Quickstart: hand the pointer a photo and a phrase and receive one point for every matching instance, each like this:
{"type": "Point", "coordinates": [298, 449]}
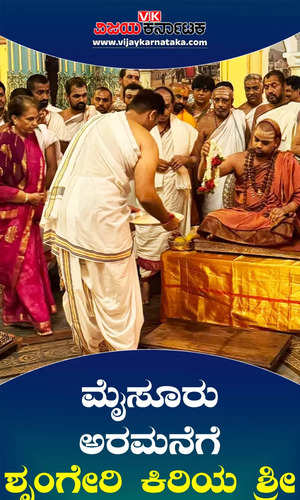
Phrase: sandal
{"type": "Point", "coordinates": [44, 334]}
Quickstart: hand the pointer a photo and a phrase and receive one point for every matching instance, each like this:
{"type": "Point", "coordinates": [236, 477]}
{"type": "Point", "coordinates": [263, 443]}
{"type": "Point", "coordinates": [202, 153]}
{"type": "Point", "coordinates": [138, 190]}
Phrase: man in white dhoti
{"type": "Point", "coordinates": [254, 91]}
{"type": "Point", "coordinates": [78, 112]}
{"type": "Point", "coordinates": [86, 220]}
{"type": "Point", "coordinates": [229, 130]}
{"type": "Point", "coordinates": [175, 140]}
{"type": "Point", "coordinates": [286, 114]}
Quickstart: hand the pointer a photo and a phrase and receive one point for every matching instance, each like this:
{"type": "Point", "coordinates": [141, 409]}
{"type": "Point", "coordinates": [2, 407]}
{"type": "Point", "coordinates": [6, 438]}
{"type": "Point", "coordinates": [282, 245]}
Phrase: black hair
{"type": "Point", "coordinates": [166, 89]}
{"type": "Point", "coordinates": [20, 91]}
{"type": "Point", "coordinates": [2, 86]}
{"type": "Point", "coordinates": [33, 79]}
{"type": "Point", "coordinates": [147, 100]}
{"type": "Point", "coordinates": [123, 72]}
{"type": "Point", "coordinates": [293, 81]}
{"type": "Point", "coordinates": [18, 105]}
{"type": "Point", "coordinates": [104, 89]}
{"type": "Point", "coordinates": [132, 86]}
{"type": "Point", "coordinates": [76, 81]}
{"type": "Point", "coordinates": [275, 72]}
{"type": "Point", "coordinates": [225, 84]}
{"type": "Point", "coordinates": [203, 82]}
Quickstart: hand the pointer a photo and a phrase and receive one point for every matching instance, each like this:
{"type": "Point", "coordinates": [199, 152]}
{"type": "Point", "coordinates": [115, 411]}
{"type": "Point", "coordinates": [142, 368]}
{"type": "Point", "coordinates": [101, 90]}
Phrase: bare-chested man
{"type": "Point", "coordinates": [229, 130]}
{"type": "Point", "coordinates": [254, 91]}
{"type": "Point", "coordinates": [273, 86]}
{"type": "Point", "coordinates": [286, 114]}
{"type": "Point", "coordinates": [267, 193]}
{"type": "Point", "coordinates": [87, 219]}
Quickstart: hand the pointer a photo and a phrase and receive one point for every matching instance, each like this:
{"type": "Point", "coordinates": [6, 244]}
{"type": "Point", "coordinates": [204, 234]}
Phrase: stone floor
{"type": "Point", "coordinates": [37, 351]}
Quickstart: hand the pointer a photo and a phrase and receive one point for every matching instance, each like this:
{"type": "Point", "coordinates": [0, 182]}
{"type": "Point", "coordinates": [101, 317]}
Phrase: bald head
{"type": "Point", "coordinates": [222, 100]}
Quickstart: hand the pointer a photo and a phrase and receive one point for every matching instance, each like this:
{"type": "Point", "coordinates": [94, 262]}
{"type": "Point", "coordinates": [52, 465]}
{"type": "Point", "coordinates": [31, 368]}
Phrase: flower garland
{"type": "Point", "coordinates": [212, 173]}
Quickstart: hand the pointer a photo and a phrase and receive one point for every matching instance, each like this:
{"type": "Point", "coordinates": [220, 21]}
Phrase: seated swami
{"type": "Point", "coordinates": [267, 193]}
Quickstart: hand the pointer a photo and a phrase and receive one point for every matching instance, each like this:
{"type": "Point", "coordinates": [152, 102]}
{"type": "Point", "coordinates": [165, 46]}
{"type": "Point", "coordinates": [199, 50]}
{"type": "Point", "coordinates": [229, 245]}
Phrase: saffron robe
{"type": "Point", "coordinates": [253, 226]}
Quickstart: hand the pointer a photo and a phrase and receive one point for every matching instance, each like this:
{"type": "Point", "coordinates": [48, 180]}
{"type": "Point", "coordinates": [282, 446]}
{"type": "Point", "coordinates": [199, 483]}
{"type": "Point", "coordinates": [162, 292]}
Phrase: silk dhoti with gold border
{"type": "Point", "coordinates": [231, 290]}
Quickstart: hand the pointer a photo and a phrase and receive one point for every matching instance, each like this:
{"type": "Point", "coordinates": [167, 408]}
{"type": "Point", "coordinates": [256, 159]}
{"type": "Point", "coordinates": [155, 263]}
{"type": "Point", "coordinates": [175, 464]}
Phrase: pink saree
{"type": "Point", "coordinates": [27, 295]}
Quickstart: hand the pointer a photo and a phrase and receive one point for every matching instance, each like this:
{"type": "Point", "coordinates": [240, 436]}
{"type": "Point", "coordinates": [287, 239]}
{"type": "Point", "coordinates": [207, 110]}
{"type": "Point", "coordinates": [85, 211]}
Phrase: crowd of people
{"type": "Point", "coordinates": [75, 176]}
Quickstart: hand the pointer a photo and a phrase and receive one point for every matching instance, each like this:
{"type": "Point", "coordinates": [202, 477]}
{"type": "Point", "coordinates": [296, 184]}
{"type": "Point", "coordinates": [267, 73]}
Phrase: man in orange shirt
{"type": "Point", "coordinates": [181, 94]}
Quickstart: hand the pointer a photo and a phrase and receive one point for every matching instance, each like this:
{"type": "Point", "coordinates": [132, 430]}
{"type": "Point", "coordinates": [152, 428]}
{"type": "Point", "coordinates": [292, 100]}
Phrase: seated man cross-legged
{"type": "Point", "coordinates": [267, 193]}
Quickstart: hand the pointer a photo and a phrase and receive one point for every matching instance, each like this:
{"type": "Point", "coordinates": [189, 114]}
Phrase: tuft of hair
{"type": "Point", "coordinates": [104, 89]}
{"type": "Point", "coordinates": [147, 100]}
{"type": "Point", "coordinates": [2, 86]}
{"type": "Point", "coordinates": [166, 89]}
{"type": "Point", "coordinates": [253, 76]}
{"type": "Point", "coordinates": [293, 81]}
{"type": "Point", "coordinates": [133, 86]}
{"type": "Point", "coordinates": [33, 79]}
{"type": "Point", "coordinates": [18, 105]}
{"type": "Point", "coordinates": [203, 82]}
{"type": "Point", "coordinates": [269, 125]}
{"type": "Point", "coordinates": [123, 72]}
{"type": "Point", "coordinates": [225, 84]}
{"type": "Point", "coordinates": [76, 81]}
{"type": "Point", "coordinates": [275, 72]}
{"type": "Point", "coordinates": [20, 91]}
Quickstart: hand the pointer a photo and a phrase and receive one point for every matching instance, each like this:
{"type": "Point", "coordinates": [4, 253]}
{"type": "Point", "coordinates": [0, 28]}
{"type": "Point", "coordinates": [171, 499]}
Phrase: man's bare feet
{"type": "Point", "coordinates": [145, 286]}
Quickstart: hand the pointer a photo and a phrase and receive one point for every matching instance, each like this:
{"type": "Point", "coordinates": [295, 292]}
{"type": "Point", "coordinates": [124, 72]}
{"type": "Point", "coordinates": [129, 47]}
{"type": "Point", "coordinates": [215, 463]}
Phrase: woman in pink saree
{"type": "Point", "coordinates": [27, 295]}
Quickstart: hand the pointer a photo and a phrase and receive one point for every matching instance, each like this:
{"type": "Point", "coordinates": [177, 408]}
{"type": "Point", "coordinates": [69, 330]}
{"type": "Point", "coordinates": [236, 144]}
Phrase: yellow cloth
{"type": "Point", "coordinates": [229, 290]}
{"type": "Point", "coordinates": [185, 116]}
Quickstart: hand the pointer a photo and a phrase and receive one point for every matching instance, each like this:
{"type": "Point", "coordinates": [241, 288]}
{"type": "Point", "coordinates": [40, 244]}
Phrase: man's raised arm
{"type": "Point", "coordinates": [226, 167]}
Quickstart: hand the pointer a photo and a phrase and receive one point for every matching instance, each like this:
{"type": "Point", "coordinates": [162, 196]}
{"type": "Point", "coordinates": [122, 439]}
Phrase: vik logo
{"type": "Point", "coordinates": [149, 16]}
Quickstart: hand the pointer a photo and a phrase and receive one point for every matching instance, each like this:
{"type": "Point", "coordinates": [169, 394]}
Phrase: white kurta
{"type": "Point", "coordinates": [86, 220]}
{"type": "Point", "coordinates": [173, 187]}
{"type": "Point", "coordinates": [230, 137]}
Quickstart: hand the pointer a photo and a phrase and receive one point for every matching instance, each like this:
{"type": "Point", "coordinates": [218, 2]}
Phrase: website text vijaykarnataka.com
{"type": "Point", "coordinates": [141, 43]}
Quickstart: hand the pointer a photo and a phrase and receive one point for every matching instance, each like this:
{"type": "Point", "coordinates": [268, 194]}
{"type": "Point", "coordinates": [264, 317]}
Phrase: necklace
{"type": "Point", "coordinates": [250, 179]}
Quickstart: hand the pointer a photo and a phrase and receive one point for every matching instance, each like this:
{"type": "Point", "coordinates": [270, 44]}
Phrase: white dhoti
{"type": "Point", "coordinates": [86, 220]}
{"type": "Point", "coordinates": [174, 189]}
{"type": "Point", "coordinates": [230, 137]}
{"type": "Point", "coordinates": [102, 320]}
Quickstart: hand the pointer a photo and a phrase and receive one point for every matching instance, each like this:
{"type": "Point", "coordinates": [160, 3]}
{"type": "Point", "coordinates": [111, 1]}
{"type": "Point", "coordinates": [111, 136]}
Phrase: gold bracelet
{"type": "Point", "coordinates": [26, 198]}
